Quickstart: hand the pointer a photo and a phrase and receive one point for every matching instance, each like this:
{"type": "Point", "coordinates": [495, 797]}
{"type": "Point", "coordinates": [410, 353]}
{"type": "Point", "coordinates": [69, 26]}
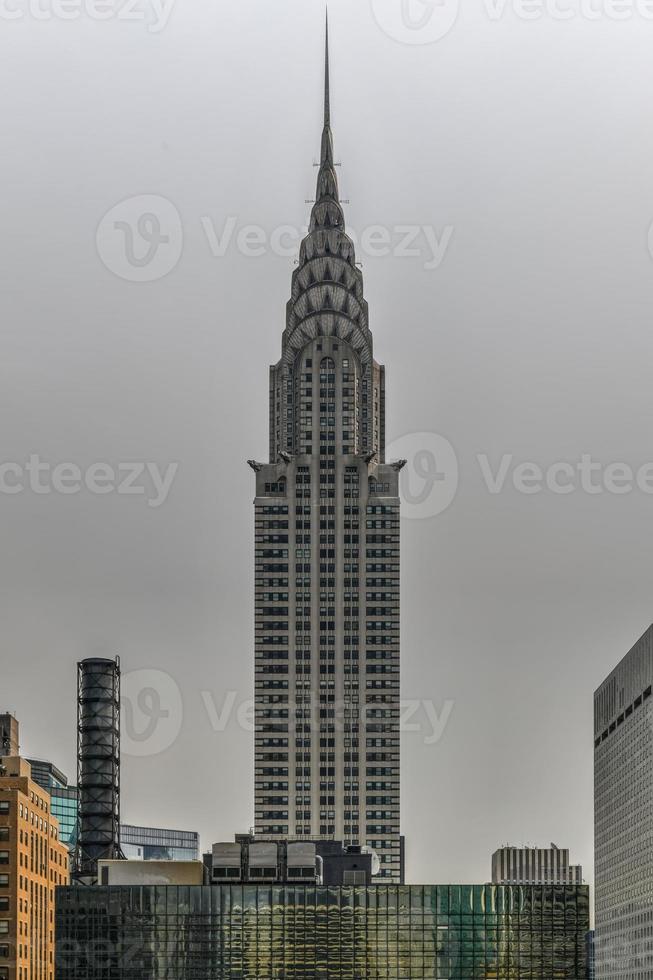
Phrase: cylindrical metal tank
{"type": "Point", "coordinates": [98, 763]}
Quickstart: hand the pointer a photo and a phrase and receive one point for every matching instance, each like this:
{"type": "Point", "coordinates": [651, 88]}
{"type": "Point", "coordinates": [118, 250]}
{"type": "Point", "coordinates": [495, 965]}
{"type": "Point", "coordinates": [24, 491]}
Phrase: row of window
{"type": "Point", "coordinates": [282, 509]}
{"type": "Point", "coordinates": [277, 488]}
{"type": "Point", "coordinates": [637, 703]}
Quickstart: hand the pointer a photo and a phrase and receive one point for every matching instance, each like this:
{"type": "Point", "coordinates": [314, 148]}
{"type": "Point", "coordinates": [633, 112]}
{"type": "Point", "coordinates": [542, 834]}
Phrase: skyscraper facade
{"type": "Point", "coordinates": [623, 817]}
{"type": "Point", "coordinates": [327, 560]}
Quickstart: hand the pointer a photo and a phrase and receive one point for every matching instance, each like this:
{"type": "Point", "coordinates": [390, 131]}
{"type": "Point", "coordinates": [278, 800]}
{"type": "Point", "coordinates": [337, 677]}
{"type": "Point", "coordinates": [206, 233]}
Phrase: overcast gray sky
{"type": "Point", "coordinates": [523, 145]}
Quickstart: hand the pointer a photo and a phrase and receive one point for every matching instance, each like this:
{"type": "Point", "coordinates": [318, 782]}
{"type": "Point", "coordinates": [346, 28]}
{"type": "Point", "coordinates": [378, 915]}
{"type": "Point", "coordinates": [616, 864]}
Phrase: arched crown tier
{"type": "Point", "coordinates": [327, 301]}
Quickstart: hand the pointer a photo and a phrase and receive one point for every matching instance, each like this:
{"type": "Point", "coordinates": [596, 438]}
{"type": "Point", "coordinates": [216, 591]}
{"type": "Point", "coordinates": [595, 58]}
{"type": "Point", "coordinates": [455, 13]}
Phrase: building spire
{"type": "Point", "coordinates": [327, 211]}
{"type": "Point", "coordinates": [327, 94]}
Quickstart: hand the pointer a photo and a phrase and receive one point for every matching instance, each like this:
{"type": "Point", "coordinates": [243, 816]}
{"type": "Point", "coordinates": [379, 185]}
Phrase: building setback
{"type": "Point", "coordinates": [623, 817]}
{"type": "Point", "coordinates": [382, 932]}
{"type": "Point", "coordinates": [327, 561]}
{"type": "Point", "coordinates": [534, 866]}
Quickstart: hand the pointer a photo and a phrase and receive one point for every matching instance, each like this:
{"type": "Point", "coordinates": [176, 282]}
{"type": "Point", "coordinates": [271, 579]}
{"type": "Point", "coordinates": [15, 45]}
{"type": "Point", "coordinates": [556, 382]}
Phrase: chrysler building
{"type": "Point", "coordinates": [327, 560]}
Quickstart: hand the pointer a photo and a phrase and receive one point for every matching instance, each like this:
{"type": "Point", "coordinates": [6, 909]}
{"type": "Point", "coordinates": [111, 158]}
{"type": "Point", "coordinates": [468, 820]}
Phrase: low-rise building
{"type": "Point", "coordinates": [150, 873]}
{"type": "Point", "coordinates": [307, 931]}
{"type": "Point", "coordinates": [534, 866]}
{"type": "Point", "coordinates": [33, 863]}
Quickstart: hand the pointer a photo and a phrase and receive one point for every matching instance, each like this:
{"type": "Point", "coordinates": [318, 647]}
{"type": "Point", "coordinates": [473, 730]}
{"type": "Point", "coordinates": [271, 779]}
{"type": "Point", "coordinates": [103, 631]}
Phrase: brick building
{"type": "Point", "coordinates": [33, 861]}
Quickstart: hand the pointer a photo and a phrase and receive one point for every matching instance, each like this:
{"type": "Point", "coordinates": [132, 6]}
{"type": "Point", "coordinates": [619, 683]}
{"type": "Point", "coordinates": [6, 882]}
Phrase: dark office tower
{"type": "Point", "coordinates": [591, 964]}
{"type": "Point", "coordinates": [9, 735]}
{"type": "Point", "coordinates": [98, 763]}
{"type": "Point", "coordinates": [623, 817]}
{"type": "Point", "coordinates": [327, 560]}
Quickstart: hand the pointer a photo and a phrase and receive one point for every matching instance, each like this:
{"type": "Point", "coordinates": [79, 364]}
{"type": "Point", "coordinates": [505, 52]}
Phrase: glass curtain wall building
{"type": "Point", "coordinates": [64, 808]}
{"type": "Point", "coordinates": [157, 844]}
{"type": "Point", "coordinates": [382, 932]}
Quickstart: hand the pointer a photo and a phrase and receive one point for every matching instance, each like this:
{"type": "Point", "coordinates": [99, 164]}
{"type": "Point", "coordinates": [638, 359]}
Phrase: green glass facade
{"type": "Point", "coordinates": [63, 798]}
{"type": "Point", "coordinates": [64, 807]}
{"type": "Point", "coordinates": [382, 932]}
